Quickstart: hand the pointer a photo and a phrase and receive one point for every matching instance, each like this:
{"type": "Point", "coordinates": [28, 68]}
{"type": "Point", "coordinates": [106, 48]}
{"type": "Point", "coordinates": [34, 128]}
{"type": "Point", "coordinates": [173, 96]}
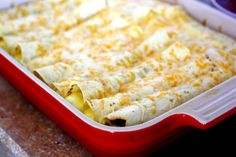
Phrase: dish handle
{"type": "Point", "coordinates": [211, 107]}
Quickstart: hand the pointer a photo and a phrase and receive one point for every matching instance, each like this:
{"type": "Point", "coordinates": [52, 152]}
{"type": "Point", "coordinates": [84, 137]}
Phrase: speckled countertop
{"type": "Point", "coordinates": [8, 147]}
{"type": "Point", "coordinates": [32, 130]}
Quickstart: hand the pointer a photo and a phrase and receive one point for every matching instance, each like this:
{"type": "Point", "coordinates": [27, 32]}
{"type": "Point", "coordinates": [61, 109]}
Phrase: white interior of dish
{"type": "Point", "coordinates": [210, 16]}
{"type": "Point", "coordinates": [205, 107]}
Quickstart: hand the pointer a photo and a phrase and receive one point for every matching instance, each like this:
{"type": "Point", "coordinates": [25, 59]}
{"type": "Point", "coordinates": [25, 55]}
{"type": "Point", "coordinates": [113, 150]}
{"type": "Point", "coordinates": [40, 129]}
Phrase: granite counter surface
{"type": "Point", "coordinates": [31, 129]}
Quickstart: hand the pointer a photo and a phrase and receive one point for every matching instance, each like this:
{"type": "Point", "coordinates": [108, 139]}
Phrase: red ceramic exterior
{"type": "Point", "coordinates": [98, 141]}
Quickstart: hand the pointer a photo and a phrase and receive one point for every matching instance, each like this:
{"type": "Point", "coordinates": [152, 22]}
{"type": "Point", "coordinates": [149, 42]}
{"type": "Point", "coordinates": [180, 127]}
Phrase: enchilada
{"type": "Point", "coordinates": [167, 59]}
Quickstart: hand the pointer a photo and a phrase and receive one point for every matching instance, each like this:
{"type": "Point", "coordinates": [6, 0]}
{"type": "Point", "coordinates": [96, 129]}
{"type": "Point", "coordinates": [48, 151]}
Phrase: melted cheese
{"type": "Point", "coordinates": [118, 60]}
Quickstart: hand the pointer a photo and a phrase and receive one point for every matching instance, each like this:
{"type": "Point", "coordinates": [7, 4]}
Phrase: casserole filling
{"type": "Point", "coordinates": [119, 62]}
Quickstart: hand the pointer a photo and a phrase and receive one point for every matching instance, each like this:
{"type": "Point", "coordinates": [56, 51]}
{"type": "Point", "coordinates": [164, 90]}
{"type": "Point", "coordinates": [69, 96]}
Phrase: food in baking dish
{"type": "Point", "coordinates": [119, 62]}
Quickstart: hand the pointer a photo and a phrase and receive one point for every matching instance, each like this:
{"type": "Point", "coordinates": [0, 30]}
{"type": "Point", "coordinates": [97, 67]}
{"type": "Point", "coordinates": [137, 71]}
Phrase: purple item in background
{"type": "Point", "coordinates": [227, 6]}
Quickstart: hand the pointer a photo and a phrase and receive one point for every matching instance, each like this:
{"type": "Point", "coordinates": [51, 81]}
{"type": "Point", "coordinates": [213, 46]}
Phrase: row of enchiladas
{"type": "Point", "coordinates": [119, 62]}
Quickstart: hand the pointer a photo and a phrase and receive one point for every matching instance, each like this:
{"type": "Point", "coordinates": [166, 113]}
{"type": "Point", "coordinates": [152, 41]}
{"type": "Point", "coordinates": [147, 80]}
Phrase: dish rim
{"type": "Point", "coordinates": [224, 10]}
{"type": "Point", "coordinates": [84, 118]}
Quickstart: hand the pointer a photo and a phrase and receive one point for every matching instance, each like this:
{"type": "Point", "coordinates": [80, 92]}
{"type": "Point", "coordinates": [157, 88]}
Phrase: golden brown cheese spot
{"type": "Point", "coordinates": [162, 94]}
{"type": "Point", "coordinates": [169, 78]}
{"type": "Point", "coordinates": [57, 29]}
{"type": "Point", "coordinates": [201, 64]}
{"type": "Point", "coordinates": [12, 16]}
{"type": "Point", "coordinates": [108, 45]}
{"type": "Point", "coordinates": [109, 68]}
{"type": "Point", "coordinates": [22, 28]}
{"type": "Point", "coordinates": [153, 111]}
{"type": "Point", "coordinates": [178, 95]}
{"type": "Point", "coordinates": [25, 12]}
{"type": "Point", "coordinates": [210, 85]}
{"type": "Point", "coordinates": [102, 104]}
{"type": "Point", "coordinates": [158, 58]}
{"type": "Point", "coordinates": [119, 63]}
{"type": "Point", "coordinates": [128, 60]}
{"type": "Point", "coordinates": [125, 101]}
{"type": "Point", "coordinates": [149, 18]}
{"type": "Point", "coordinates": [197, 84]}
{"type": "Point", "coordinates": [57, 56]}
{"type": "Point", "coordinates": [58, 46]}
{"type": "Point", "coordinates": [146, 48]}
{"type": "Point", "coordinates": [223, 65]}
{"type": "Point", "coordinates": [132, 76]}
{"type": "Point", "coordinates": [109, 90]}
{"type": "Point", "coordinates": [92, 72]}
{"type": "Point", "coordinates": [136, 31]}
{"type": "Point", "coordinates": [137, 57]}
{"type": "Point", "coordinates": [172, 34]}
{"type": "Point", "coordinates": [170, 63]}
{"type": "Point", "coordinates": [101, 94]}
{"type": "Point", "coordinates": [216, 79]}
{"type": "Point", "coordinates": [119, 82]}
{"type": "Point", "coordinates": [172, 53]}
{"type": "Point", "coordinates": [42, 21]}
{"type": "Point", "coordinates": [151, 98]}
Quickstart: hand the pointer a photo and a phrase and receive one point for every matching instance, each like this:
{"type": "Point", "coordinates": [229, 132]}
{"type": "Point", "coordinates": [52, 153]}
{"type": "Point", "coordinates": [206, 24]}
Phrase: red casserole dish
{"type": "Point", "coordinates": [201, 112]}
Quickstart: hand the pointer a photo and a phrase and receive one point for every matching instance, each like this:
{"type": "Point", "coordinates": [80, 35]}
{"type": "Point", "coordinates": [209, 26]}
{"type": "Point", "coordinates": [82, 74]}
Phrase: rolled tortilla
{"type": "Point", "coordinates": [62, 20]}
{"type": "Point", "coordinates": [114, 83]}
{"type": "Point", "coordinates": [54, 72]}
{"type": "Point", "coordinates": [153, 83]}
{"type": "Point", "coordinates": [90, 7]}
{"type": "Point", "coordinates": [70, 37]}
{"type": "Point", "coordinates": [14, 44]}
{"type": "Point", "coordinates": [34, 8]}
{"type": "Point", "coordinates": [99, 88]}
{"type": "Point", "coordinates": [46, 50]}
{"type": "Point", "coordinates": [9, 43]}
{"type": "Point", "coordinates": [65, 87]}
{"type": "Point", "coordinates": [160, 102]}
{"type": "Point", "coordinates": [177, 51]}
{"type": "Point", "coordinates": [29, 50]}
{"type": "Point", "coordinates": [128, 59]}
{"type": "Point", "coordinates": [73, 65]}
{"type": "Point", "coordinates": [224, 59]}
{"type": "Point", "coordinates": [109, 85]}
{"type": "Point", "coordinates": [39, 62]}
{"type": "Point", "coordinates": [155, 43]}
{"type": "Point", "coordinates": [106, 86]}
